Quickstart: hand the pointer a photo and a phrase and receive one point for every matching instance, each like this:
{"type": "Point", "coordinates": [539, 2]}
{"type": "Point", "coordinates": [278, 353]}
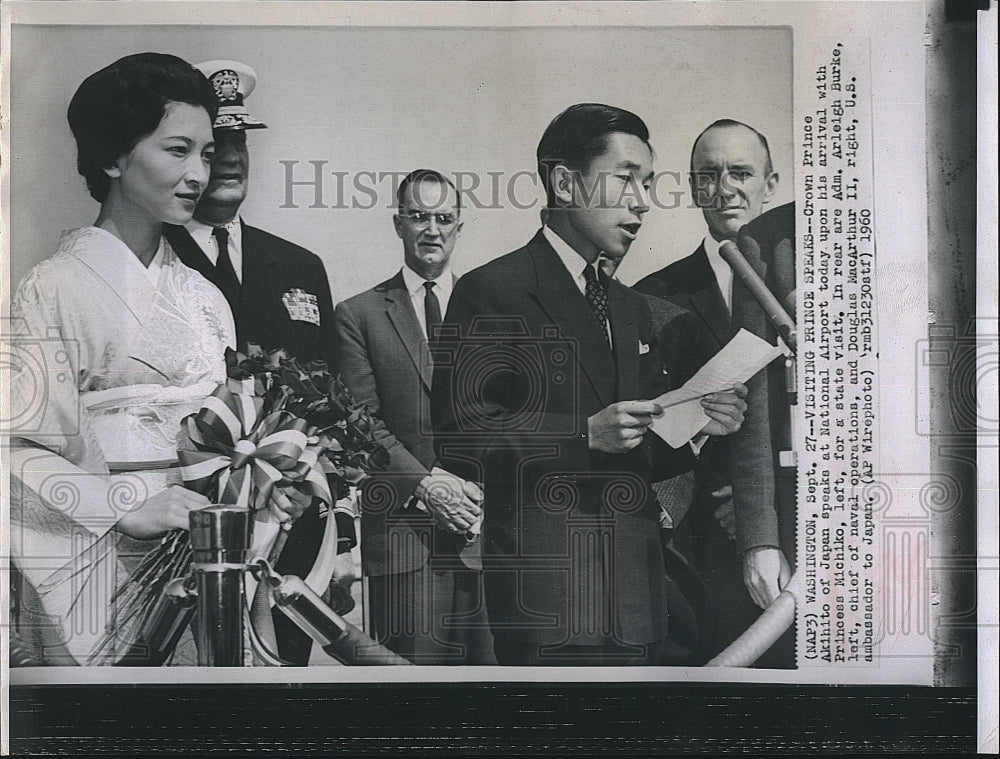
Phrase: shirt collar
{"type": "Point", "coordinates": [202, 232]}
{"type": "Point", "coordinates": [715, 258]}
{"type": "Point", "coordinates": [722, 271]}
{"type": "Point", "coordinates": [415, 283]}
{"type": "Point", "coordinates": [573, 261]}
{"type": "Point", "coordinates": [712, 247]}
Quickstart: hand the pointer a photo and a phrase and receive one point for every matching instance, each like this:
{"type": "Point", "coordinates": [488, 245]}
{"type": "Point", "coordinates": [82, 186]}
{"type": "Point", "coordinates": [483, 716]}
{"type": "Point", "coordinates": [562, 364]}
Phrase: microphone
{"type": "Point", "coordinates": [761, 293]}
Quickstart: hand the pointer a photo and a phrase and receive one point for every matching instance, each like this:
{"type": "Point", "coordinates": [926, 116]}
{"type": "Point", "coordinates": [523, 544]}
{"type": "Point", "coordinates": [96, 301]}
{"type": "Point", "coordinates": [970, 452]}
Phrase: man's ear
{"type": "Point", "coordinates": [770, 186]}
{"type": "Point", "coordinates": [562, 181]}
{"type": "Point", "coordinates": [398, 224]}
{"type": "Point", "coordinates": [114, 171]}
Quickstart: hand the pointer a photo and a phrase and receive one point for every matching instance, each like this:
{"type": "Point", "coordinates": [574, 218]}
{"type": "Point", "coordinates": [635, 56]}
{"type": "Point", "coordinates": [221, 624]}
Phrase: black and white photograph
{"type": "Point", "coordinates": [382, 344]}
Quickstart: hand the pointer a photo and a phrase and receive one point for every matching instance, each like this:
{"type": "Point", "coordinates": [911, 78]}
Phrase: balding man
{"type": "Point", "coordinates": [741, 493]}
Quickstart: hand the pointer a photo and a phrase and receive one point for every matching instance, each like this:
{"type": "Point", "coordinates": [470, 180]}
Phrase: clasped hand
{"type": "Point", "coordinates": [765, 574]}
{"type": "Point", "coordinates": [456, 504]}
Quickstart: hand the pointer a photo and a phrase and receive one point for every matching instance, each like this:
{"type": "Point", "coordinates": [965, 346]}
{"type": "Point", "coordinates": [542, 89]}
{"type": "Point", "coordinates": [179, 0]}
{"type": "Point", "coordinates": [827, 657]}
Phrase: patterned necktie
{"type": "Point", "coordinates": [432, 310]}
{"type": "Point", "coordinates": [229, 283]}
{"type": "Point", "coordinates": [597, 297]}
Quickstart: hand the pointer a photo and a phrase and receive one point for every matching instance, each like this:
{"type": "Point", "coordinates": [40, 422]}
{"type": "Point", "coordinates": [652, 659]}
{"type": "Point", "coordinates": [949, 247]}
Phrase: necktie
{"type": "Point", "coordinates": [597, 297]}
{"type": "Point", "coordinates": [228, 282]}
{"type": "Point", "coordinates": [432, 310]}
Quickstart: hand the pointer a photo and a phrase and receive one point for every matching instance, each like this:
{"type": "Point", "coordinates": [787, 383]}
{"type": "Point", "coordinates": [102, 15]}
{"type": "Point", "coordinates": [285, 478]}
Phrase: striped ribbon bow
{"type": "Point", "coordinates": [247, 454]}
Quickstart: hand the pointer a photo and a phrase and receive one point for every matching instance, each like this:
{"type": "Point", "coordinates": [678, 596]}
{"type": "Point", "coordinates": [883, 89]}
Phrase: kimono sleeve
{"type": "Point", "coordinates": [54, 453]}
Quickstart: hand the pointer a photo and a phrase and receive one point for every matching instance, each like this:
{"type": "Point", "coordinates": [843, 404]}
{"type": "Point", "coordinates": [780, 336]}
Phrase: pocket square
{"type": "Point", "coordinates": [643, 348]}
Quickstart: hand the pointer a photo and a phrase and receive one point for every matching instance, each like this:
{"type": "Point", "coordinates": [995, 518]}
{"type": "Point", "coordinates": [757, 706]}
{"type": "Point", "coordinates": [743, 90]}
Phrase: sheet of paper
{"type": "Point", "coordinates": [740, 359]}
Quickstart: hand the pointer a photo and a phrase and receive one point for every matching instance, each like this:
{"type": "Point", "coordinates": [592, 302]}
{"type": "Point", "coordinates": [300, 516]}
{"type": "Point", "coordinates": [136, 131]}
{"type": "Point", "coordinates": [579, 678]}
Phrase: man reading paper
{"type": "Point", "coordinates": [540, 376]}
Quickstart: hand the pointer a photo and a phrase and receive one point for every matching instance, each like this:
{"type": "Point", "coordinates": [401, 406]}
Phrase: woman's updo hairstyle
{"type": "Point", "coordinates": [120, 104]}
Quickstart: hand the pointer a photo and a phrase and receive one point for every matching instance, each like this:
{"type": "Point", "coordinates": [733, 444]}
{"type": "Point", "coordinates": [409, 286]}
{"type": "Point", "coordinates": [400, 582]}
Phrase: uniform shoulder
{"type": "Point", "coordinates": [289, 249]}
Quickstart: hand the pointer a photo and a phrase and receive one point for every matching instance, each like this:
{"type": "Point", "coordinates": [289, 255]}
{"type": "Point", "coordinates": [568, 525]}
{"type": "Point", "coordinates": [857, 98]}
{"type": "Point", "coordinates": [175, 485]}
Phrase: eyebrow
{"type": "Point", "coordinates": [450, 210]}
{"type": "Point", "coordinates": [731, 167]}
{"type": "Point", "coordinates": [187, 140]}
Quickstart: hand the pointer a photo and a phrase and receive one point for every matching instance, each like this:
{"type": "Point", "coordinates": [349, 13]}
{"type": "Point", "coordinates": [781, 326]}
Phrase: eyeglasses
{"type": "Point", "coordinates": [422, 219]}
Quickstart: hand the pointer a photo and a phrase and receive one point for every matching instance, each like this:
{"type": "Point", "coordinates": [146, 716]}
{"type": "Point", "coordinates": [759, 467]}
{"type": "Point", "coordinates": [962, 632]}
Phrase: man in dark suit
{"type": "Point", "coordinates": [538, 375]}
{"type": "Point", "coordinates": [279, 295]}
{"type": "Point", "coordinates": [425, 601]}
{"type": "Point", "coordinates": [741, 488]}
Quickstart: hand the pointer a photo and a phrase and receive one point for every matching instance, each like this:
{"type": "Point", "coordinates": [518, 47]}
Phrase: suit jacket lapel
{"type": "Point", "coordinates": [705, 299]}
{"type": "Point", "coordinates": [559, 297]}
{"type": "Point", "coordinates": [625, 338]}
{"type": "Point", "coordinates": [399, 309]}
{"type": "Point", "coordinates": [255, 278]}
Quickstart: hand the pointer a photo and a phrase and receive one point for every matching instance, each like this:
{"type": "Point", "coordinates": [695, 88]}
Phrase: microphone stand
{"type": "Point", "coordinates": [783, 324]}
{"type": "Point", "coordinates": [789, 457]}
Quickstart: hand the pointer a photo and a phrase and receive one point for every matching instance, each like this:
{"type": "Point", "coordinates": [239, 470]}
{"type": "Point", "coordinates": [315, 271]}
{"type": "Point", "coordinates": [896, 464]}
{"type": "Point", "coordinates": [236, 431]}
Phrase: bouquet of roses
{"type": "Point", "coordinates": [278, 430]}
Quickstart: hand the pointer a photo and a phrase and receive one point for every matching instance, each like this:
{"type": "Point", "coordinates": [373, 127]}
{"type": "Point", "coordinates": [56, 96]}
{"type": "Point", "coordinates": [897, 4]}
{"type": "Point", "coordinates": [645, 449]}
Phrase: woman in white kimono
{"type": "Point", "coordinates": [117, 342]}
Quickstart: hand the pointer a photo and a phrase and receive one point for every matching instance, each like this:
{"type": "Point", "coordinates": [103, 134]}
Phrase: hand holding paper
{"type": "Point", "coordinates": [725, 410]}
{"type": "Point", "coordinates": [683, 416]}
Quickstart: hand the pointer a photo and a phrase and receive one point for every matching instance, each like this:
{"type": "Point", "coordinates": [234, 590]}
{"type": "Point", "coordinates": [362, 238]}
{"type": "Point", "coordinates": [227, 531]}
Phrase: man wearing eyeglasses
{"type": "Point", "coordinates": [741, 524]}
{"type": "Point", "coordinates": [419, 523]}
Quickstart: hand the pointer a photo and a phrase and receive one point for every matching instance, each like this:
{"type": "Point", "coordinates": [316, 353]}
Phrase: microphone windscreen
{"type": "Point", "coordinates": [789, 302]}
{"type": "Point", "coordinates": [783, 267]}
{"type": "Point", "coordinates": [748, 245]}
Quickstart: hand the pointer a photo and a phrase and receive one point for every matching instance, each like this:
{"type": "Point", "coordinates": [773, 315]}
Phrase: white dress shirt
{"type": "Point", "coordinates": [572, 261]}
{"type": "Point", "coordinates": [202, 234]}
{"type": "Point", "coordinates": [575, 265]}
{"type": "Point", "coordinates": [723, 272]}
{"type": "Point", "coordinates": [443, 286]}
